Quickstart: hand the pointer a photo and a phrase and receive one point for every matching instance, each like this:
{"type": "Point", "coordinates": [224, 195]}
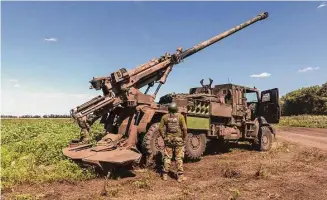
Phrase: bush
{"type": "Point", "coordinates": [305, 101]}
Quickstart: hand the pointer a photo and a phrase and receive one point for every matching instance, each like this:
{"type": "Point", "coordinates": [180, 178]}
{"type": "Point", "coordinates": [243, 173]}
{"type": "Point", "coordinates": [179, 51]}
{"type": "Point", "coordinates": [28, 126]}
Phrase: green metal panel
{"type": "Point", "coordinates": [199, 123]}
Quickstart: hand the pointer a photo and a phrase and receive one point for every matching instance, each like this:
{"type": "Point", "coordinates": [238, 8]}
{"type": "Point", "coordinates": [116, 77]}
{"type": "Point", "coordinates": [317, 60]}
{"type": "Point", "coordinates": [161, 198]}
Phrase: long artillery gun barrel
{"type": "Point", "coordinates": [118, 86]}
{"type": "Point", "coordinates": [227, 33]}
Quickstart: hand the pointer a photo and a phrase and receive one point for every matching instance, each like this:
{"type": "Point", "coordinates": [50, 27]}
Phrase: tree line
{"type": "Point", "coordinates": [305, 101]}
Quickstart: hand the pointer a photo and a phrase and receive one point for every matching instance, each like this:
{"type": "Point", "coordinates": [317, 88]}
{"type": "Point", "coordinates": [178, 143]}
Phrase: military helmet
{"type": "Point", "coordinates": [172, 108]}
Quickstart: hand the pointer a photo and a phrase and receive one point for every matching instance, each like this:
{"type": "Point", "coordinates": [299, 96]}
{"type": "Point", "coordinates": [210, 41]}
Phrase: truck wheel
{"type": "Point", "coordinates": [265, 139]}
{"type": "Point", "coordinates": [195, 145]}
{"type": "Point", "coordinates": [152, 141]}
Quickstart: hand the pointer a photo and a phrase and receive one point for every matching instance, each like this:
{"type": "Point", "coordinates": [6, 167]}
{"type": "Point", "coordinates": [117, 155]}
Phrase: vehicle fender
{"type": "Point", "coordinates": [263, 122]}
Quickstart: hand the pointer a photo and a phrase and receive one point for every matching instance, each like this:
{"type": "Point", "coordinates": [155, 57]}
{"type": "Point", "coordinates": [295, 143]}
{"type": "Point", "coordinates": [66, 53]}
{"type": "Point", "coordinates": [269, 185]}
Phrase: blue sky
{"type": "Point", "coordinates": [96, 38]}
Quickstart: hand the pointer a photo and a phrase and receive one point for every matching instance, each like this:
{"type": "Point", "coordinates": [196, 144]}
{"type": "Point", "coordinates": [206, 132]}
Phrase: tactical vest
{"type": "Point", "coordinates": [173, 124]}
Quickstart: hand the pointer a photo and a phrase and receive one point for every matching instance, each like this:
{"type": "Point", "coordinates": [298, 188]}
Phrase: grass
{"type": "Point", "coordinates": [308, 121]}
{"type": "Point", "coordinates": [31, 149]}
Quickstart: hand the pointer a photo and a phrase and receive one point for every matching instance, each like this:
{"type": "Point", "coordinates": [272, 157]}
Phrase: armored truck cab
{"type": "Point", "coordinates": [240, 98]}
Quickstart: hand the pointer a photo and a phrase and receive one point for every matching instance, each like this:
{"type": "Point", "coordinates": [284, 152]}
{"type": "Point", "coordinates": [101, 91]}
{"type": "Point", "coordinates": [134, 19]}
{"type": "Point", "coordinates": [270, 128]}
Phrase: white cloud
{"type": "Point", "coordinates": [14, 82]}
{"type": "Point", "coordinates": [40, 103]}
{"type": "Point", "coordinates": [262, 75]}
{"type": "Point", "coordinates": [308, 69]}
{"type": "Point", "coordinates": [323, 4]}
{"type": "Point", "coordinates": [51, 39]}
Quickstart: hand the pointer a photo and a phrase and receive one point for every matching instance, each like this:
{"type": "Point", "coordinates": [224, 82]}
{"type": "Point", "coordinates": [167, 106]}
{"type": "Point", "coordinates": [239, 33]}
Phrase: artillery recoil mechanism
{"type": "Point", "coordinates": [125, 111]}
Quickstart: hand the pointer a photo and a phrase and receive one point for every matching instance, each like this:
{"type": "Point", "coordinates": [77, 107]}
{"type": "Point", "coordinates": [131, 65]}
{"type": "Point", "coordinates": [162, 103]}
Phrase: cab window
{"type": "Point", "coordinates": [251, 97]}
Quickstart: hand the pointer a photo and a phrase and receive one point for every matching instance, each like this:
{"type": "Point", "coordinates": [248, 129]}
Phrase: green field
{"type": "Point", "coordinates": [31, 150]}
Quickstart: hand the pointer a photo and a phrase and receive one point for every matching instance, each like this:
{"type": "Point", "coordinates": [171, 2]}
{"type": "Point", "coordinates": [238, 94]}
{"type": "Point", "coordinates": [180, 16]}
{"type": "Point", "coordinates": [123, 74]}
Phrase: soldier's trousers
{"type": "Point", "coordinates": [179, 156]}
{"type": "Point", "coordinates": [85, 136]}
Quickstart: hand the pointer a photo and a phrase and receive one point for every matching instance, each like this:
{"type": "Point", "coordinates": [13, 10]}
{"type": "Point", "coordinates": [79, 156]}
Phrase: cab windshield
{"type": "Point", "coordinates": [251, 97]}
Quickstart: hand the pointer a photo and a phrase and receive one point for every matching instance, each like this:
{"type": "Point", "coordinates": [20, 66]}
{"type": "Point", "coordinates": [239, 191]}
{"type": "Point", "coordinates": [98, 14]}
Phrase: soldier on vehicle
{"type": "Point", "coordinates": [174, 137]}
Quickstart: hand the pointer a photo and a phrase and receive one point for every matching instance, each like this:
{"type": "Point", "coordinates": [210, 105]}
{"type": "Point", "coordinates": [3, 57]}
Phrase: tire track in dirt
{"type": "Point", "coordinates": [305, 136]}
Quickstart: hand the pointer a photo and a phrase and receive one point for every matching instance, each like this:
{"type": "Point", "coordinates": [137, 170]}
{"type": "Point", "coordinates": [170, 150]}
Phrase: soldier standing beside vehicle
{"type": "Point", "coordinates": [174, 137]}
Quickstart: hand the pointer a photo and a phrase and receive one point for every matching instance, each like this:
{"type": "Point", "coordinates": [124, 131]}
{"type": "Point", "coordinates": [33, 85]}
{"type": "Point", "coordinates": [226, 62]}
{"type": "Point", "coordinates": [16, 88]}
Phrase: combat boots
{"type": "Point", "coordinates": [180, 178]}
{"type": "Point", "coordinates": [164, 176]}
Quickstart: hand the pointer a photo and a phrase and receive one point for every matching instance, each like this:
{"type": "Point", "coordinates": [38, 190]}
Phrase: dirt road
{"type": "Point", "coordinates": [312, 137]}
{"type": "Point", "coordinates": [288, 171]}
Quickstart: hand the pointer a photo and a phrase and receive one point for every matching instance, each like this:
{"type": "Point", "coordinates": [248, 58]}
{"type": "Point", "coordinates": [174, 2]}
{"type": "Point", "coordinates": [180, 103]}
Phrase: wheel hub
{"type": "Point", "coordinates": [195, 142]}
{"type": "Point", "coordinates": [265, 140]}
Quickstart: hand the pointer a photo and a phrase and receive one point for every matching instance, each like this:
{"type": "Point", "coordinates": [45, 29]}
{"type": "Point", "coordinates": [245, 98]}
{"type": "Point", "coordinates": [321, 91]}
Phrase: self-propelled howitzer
{"type": "Point", "coordinates": [123, 108]}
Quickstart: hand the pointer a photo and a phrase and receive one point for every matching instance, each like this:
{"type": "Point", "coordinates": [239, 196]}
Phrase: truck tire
{"type": "Point", "coordinates": [195, 146]}
{"type": "Point", "coordinates": [265, 138]}
{"type": "Point", "coordinates": [152, 141]}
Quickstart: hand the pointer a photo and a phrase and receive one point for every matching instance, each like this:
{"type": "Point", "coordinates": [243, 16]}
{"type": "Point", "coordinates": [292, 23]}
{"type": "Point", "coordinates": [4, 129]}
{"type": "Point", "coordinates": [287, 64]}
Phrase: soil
{"type": "Point", "coordinates": [296, 168]}
{"type": "Point", "coordinates": [312, 137]}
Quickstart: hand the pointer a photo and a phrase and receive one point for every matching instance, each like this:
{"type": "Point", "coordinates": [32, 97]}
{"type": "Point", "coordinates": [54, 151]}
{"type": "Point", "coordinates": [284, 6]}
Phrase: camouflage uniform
{"type": "Point", "coordinates": [85, 136]}
{"type": "Point", "coordinates": [85, 124]}
{"type": "Point", "coordinates": [174, 141]}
